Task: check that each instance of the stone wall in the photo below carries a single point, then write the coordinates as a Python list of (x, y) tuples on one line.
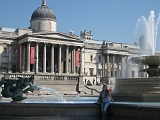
[(76, 111)]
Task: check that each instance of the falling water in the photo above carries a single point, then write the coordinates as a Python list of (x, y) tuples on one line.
[(38, 93), (148, 28), (55, 93)]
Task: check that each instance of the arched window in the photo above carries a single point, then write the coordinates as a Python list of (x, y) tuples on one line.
[(49, 26)]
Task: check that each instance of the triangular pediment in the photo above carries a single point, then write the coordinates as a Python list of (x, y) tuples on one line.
[(57, 35), (51, 37)]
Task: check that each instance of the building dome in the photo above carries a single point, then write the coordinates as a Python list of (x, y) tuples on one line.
[(43, 19), (142, 42), (43, 12)]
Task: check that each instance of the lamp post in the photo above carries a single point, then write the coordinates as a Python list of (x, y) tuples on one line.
[(79, 67), (79, 74), (35, 62)]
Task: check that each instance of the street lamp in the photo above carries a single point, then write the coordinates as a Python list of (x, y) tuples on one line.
[(79, 67), (79, 74), (35, 62)]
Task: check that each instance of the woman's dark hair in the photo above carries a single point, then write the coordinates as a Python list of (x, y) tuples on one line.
[(107, 91), (105, 85)]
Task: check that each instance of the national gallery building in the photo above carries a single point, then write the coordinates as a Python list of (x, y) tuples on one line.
[(41, 49)]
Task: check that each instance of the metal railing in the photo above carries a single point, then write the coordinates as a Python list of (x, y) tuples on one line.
[(92, 89)]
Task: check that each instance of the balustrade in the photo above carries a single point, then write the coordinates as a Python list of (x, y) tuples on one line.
[(41, 77)]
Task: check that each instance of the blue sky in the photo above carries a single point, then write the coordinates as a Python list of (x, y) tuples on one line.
[(112, 20)]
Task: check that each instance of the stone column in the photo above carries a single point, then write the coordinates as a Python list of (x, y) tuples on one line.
[(59, 60), (66, 60), (81, 67), (108, 69), (44, 58), (37, 59), (118, 66), (28, 57), (9, 59), (113, 62), (122, 66), (24, 59), (74, 59), (52, 59), (127, 73), (103, 65), (20, 57)]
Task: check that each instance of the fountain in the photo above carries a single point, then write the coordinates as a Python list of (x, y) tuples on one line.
[(143, 89)]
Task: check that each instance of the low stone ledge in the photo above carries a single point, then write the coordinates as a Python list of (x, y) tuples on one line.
[(133, 112), (56, 110), (77, 111), (136, 97)]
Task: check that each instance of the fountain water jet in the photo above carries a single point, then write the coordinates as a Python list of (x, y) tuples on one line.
[(148, 28), (55, 93)]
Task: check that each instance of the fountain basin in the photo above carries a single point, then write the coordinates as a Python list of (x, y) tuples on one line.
[(137, 90), (152, 62), (85, 111), (50, 111), (147, 60)]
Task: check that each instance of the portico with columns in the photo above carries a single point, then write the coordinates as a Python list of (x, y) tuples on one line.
[(56, 55), (115, 61)]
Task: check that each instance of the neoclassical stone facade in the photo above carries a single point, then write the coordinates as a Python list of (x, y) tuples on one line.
[(56, 52)]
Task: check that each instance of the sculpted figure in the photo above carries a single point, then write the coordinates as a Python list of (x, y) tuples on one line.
[(15, 89)]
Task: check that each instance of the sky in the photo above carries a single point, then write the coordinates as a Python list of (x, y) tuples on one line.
[(111, 20)]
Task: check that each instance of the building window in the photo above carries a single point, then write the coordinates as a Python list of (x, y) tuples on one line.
[(49, 26), (91, 57), (99, 72), (99, 58), (91, 72)]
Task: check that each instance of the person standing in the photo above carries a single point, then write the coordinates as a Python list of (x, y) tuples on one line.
[(93, 81), (106, 97), (110, 89)]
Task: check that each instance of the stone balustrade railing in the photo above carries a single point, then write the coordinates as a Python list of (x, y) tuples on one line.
[(41, 77)]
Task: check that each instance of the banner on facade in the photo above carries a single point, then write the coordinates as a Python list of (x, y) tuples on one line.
[(32, 55), (77, 58)]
